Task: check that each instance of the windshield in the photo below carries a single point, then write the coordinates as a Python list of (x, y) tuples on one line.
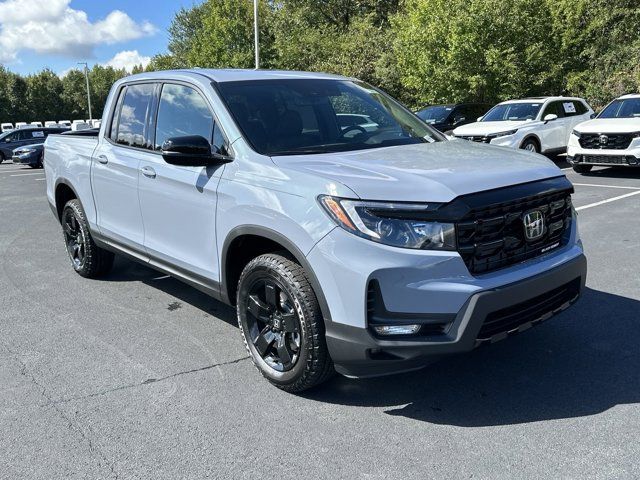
[(513, 112), (300, 116), (627, 108), (435, 114)]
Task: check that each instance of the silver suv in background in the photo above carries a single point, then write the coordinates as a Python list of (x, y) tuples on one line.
[(349, 234)]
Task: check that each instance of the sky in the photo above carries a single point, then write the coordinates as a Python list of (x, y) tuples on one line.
[(57, 34)]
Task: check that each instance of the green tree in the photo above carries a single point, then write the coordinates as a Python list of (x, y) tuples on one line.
[(16, 95), (74, 96), (101, 80), (219, 33), (44, 90), (454, 50), (599, 45)]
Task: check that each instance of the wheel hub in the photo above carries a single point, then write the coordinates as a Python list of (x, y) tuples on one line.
[(273, 325)]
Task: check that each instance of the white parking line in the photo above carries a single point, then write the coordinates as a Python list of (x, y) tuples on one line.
[(605, 186), (626, 195), (25, 174), (14, 170)]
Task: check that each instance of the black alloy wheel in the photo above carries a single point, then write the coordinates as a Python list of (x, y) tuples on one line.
[(273, 325), (281, 323), (87, 259), (74, 238)]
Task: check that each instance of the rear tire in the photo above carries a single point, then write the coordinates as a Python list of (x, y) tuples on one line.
[(281, 323), (87, 259), (582, 169)]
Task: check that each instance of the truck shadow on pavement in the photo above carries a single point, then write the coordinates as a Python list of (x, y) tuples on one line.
[(581, 363), (127, 271)]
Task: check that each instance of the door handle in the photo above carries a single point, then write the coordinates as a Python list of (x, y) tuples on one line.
[(103, 159), (148, 172)]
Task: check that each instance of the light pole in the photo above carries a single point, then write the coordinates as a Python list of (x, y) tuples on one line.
[(255, 33), (86, 77)]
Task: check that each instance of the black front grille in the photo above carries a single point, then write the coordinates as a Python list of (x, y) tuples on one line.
[(522, 315), (493, 237), (608, 159), (609, 141), (477, 138)]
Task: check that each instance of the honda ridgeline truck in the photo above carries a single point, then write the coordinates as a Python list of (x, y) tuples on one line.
[(366, 251)]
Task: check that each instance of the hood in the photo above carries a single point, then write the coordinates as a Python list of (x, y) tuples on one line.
[(436, 172), (610, 125), (488, 128)]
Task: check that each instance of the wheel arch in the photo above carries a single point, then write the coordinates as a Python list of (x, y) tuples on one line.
[(531, 136), (247, 242), (63, 193)]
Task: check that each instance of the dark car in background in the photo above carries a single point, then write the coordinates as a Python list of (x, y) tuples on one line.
[(447, 117), (9, 141), (31, 155)]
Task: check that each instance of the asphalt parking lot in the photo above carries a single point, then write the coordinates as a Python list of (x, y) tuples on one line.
[(140, 376)]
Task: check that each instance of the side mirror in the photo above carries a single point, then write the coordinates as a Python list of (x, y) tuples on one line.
[(479, 119), (551, 117), (191, 151)]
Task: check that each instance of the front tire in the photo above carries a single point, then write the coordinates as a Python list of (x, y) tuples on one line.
[(87, 259), (281, 323), (531, 145), (582, 169)]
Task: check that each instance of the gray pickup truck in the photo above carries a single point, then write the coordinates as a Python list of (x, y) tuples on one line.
[(366, 249)]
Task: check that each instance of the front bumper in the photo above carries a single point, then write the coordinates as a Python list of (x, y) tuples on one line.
[(26, 159), (629, 157), (358, 352)]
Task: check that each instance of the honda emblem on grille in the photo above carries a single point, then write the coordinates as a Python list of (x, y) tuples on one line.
[(604, 139), (533, 225)]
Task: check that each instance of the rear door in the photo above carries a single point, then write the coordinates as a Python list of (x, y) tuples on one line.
[(179, 203), (116, 163)]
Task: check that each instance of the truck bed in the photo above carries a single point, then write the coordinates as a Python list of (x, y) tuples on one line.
[(67, 160)]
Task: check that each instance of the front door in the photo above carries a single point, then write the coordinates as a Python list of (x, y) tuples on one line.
[(179, 203), (552, 134)]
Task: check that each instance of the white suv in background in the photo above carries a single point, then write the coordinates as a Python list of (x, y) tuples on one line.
[(611, 139), (539, 124)]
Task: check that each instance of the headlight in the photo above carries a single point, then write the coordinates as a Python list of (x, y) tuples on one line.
[(22, 151), (391, 223), (503, 134), (576, 133)]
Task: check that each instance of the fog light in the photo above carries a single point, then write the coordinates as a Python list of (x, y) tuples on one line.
[(632, 160), (396, 329)]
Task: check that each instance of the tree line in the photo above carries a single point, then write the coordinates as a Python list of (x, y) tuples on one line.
[(46, 96), (421, 51)]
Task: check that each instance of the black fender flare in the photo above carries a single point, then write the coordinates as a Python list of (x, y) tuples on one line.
[(279, 238)]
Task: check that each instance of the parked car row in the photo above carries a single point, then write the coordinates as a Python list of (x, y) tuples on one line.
[(549, 125), (91, 123), (16, 139)]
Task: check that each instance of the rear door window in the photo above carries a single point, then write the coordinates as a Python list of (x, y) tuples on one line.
[(133, 117)]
